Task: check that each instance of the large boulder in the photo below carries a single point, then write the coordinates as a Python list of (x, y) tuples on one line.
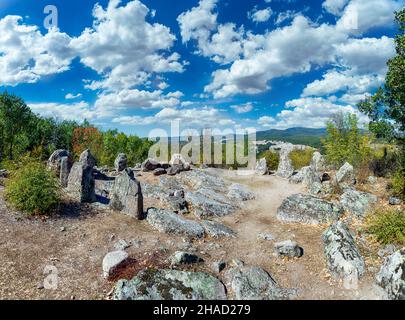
[(152, 284), (169, 222), (308, 209), (345, 175), (121, 162), (285, 167), (60, 163), (240, 192), (261, 167), (198, 179), (342, 254), (391, 277), (317, 162), (87, 159), (81, 183), (207, 206), (253, 283), (126, 195), (150, 165), (357, 202)]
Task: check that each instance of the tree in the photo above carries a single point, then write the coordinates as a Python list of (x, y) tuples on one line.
[(88, 138), (344, 141), (386, 109), (14, 119)]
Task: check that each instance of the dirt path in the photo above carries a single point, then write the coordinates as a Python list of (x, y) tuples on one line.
[(75, 243)]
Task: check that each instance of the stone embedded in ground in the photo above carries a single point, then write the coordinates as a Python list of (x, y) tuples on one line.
[(208, 207), (218, 266), (87, 159), (169, 222), (121, 162), (394, 201), (170, 285), (199, 179), (261, 167), (308, 209), (342, 254), (253, 283), (285, 167), (150, 165), (60, 163), (391, 277), (265, 236), (112, 261), (372, 180), (175, 169), (345, 175), (81, 183), (217, 230), (181, 257), (121, 245), (177, 159), (288, 249), (240, 192), (357, 202), (65, 167), (159, 172), (126, 195)]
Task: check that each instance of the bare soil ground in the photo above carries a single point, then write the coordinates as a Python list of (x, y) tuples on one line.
[(76, 241)]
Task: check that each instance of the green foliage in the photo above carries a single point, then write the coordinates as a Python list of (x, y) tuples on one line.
[(345, 142), (387, 226), (272, 159), (32, 189), (301, 158), (384, 160), (398, 184)]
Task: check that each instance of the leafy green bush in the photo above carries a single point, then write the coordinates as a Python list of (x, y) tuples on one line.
[(398, 184), (33, 189), (301, 158), (272, 159), (387, 226)]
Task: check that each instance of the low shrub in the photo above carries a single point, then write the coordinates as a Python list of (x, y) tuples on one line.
[(387, 226), (301, 158), (33, 189), (398, 184), (384, 161), (272, 159)]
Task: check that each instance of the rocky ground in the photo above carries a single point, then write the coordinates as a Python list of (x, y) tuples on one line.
[(73, 244)]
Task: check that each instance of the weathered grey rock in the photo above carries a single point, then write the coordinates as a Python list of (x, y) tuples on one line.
[(60, 163), (265, 236), (391, 277), (170, 183), (357, 202), (181, 257), (170, 285), (394, 201), (240, 192), (217, 230), (150, 165), (177, 204), (177, 159), (169, 222), (342, 255), (345, 175), (253, 283), (308, 209), (285, 167), (372, 180), (388, 250), (207, 207), (121, 162), (3, 173), (121, 245), (317, 162), (261, 167), (126, 195), (55, 158), (198, 179), (175, 169), (218, 266), (289, 249), (65, 167), (112, 261), (87, 159), (159, 172), (81, 183)]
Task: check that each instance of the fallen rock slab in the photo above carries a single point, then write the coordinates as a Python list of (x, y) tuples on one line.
[(170, 285), (308, 209), (357, 202), (342, 254), (240, 192), (169, 222), (217, 230), (391, 277)]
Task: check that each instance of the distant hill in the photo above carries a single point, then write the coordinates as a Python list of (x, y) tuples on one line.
[(307, 136)]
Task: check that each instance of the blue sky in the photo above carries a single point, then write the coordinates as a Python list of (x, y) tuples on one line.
[(137, 65)]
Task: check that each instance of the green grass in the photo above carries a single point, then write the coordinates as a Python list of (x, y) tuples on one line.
[(387, 226)]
